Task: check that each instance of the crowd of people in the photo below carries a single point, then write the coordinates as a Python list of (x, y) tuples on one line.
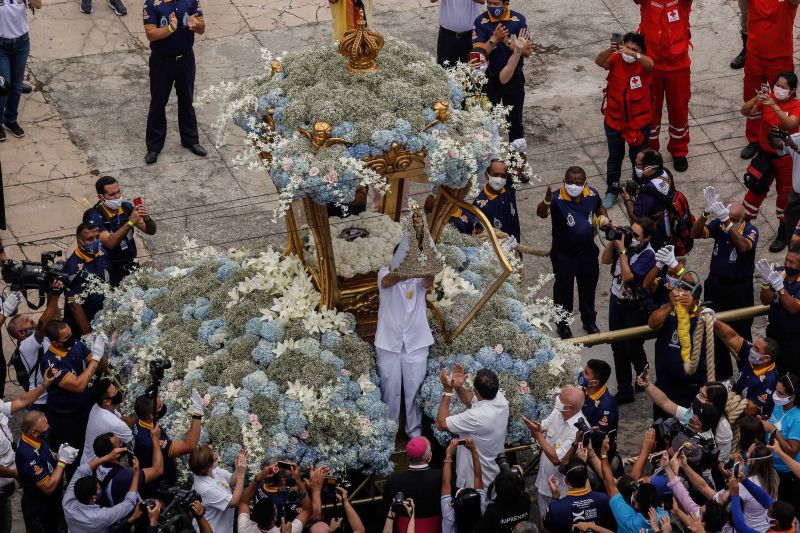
[(723, 453)]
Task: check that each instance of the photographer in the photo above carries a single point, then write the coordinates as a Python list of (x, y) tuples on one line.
[(116, 220), (68, 400), (408, 510), (781, 292), (104, 417), (581, 504), (81, 509), (265, 514), (632, 258), (784, 426), (171, 450), (115, 479), (32, 343), (198, 513), (510, 502), (88, 266), (461, 513), (420, 483), (654, 198), (350, 513), (213, 485)]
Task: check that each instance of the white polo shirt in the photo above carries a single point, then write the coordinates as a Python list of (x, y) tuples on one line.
[(6, 439), (29, 352), (216, 493), (103, 421), (486, 423), (560, 434), (458, 15), (13, 19), (402, 321)]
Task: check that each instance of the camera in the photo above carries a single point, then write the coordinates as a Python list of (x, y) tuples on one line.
[(329, 484), (502, 462), (630, 187), (157, 368), (615, 233), (701, 452), (398, 504), (24, 275), (177, 515)]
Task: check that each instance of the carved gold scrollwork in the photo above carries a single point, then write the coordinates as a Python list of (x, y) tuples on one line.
[(442, 110), (395, 159)]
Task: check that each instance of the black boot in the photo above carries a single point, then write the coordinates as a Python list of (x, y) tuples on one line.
[(738, 61), (780, 240)]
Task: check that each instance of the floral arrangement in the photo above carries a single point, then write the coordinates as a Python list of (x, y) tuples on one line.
[(277, 375), (508, 336), (364, 254), (367, 114)]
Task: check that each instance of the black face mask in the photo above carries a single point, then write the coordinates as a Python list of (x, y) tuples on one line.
[(116, 399), (67, 344), (161, 412), (791, 271)]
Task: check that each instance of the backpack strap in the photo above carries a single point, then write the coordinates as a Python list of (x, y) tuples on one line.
[(105, 486)]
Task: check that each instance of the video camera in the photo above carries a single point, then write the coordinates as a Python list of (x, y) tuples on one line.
[(24, 275), (631, 187), (701, 452), (177, 516)]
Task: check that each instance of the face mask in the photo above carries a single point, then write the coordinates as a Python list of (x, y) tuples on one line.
[(628, 58), (791, 271), (779, 400), (754, 357), (161, 412), (660, 185), (686, 417), (639, 172), (559, 406), (91, 248), (44, 435), (635, 242), (30, 331), (573, 190), (113, 204), (497, 12), (68, 344), (781, 93), (117, 399), (582, 381), (496, 182)]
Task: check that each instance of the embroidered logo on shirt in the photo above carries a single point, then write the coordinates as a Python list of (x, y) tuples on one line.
[(673, 16), (409, 295), (636, 82), (570, 220)]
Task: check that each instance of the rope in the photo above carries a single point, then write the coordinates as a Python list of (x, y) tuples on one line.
[(690, 351)]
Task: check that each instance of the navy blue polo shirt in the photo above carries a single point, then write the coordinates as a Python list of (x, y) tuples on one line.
[(83, 266), (156, 15), (67, 365), (579, 505), (143, 450), (600, 410), (119, 485), (500, 208), (669, 364), (573, 220), (35, 463), (483, 30), (652, 204), (103, 218), (755, 385), (462, 220), (727, 262), (780, 320)]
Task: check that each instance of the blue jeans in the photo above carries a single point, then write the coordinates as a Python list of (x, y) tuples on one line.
[(13, 58), (616, 153)]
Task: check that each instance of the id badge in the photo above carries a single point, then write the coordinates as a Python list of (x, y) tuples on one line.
[(123, 244)]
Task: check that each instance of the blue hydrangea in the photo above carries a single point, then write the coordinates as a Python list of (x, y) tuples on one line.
[(226, 269), (330, 358), (241, 415), (194, 375), (151, 293), (263, 353), (259, 384), (520, 370), (269, 330), (242, 403), (472, 254), (147, 316), (382, 139), (295, 424), (221, 409), (331, 340), (209, 328), (472, 277), (228, 455), (308, 346)]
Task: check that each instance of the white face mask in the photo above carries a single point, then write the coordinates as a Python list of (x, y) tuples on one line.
[(628, 58), (113, 204), (780, 400), (559, 406), (635, 242), (496, 182), (639, 172), (660, 185), (754, 357), (781, 93), (573, 190)]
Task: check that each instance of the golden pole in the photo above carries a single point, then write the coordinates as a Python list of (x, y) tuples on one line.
[(646, 332)]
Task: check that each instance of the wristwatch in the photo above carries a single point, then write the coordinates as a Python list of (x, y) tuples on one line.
[(638, 55), (446, 394)]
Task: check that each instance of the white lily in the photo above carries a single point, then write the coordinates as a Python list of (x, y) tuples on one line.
[(366, 384), (283, 347), (232, 392)]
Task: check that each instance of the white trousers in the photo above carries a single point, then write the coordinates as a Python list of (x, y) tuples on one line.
[(403, 372)]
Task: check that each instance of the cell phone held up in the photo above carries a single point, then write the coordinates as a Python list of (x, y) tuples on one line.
[(474, 57), (616, 38), (137, 201)]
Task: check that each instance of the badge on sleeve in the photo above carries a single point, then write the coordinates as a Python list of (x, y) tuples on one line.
[(673, 16), (163, 22), (636, 82), (570, 220), (144, 13)]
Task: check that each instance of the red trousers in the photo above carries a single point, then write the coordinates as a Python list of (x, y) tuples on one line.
[(782, 176), (676, 86), (756, 72)]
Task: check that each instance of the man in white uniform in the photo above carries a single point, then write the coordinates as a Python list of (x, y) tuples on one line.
[(105, 418), (401, 344)]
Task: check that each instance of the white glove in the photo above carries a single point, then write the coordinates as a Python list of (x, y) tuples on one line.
[(197, 403), (720, 211), (99, 347), (520, 145), (11, 303), (710, 196), (67, 454), (666, 256), (776, 281), (710, 313), (764, 269)]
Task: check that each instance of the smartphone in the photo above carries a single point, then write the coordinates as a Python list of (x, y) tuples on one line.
[(736, 470), (765, 88), (284, 465), (771, 438), (462, 442), (586, 438), (474, 56), (667, 501), (644, 370), (617, 38), (137, 201)]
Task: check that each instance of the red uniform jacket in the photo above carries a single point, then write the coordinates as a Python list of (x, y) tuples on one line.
[(666, 29), (627, 103), (770, 24)]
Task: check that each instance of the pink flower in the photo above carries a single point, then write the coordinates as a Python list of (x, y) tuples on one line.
[(304, 435), (523, 388), (452, 152), (332, 176), (206, 399), (498, 349), (253, 418), (287, 164), (294, 440), (257, 425), (435, 133), (313, 171), (440, 359), (345, 372)]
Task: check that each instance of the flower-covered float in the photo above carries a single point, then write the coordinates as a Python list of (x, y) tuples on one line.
[(278, 343)]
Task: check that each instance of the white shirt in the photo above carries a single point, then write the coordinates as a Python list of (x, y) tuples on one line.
[(216, 493), (13, 19), (6, 439), (560, 434), (402, 321), (486, 423), (458, 15), (246, 525), (795, 162), (723, 435), (755, 516), (103, 421), (29, 352)]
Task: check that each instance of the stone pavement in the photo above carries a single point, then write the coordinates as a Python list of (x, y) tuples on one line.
[(87, 115)]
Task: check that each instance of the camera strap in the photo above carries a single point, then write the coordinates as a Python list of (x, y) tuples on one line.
[(105, 486)]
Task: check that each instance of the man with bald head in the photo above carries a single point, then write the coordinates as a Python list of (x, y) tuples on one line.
[(554, 435), (729, 284)]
